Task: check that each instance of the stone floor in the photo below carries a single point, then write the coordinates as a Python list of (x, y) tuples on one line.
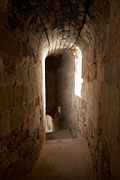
[(59, 134), (63, 159)]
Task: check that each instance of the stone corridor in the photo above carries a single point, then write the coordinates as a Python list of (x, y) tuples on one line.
[(63, 159), (60, 58)]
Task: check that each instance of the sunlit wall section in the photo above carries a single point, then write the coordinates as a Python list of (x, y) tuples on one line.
[(78, 72), (49, 124)]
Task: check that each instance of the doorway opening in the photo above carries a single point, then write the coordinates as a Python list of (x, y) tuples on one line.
[(53, 96), (63, 88)]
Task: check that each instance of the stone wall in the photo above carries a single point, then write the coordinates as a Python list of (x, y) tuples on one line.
[(21, 109), (99, 117), (31, 31)]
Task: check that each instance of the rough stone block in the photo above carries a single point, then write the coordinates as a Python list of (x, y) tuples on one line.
[(17, 119), (1, 71), (24, 118), (38, 74), (9, 78), (10, 43), (22, 73), (116, 73), (9, 94), (108, 69), (6, 98), (31, 73), (5, 124), (24, 93), (30, 92), (18, 95), (25, 74), (31, 109), (31, 131), (19, 74)]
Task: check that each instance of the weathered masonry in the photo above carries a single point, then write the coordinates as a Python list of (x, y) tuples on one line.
[(39, 42)]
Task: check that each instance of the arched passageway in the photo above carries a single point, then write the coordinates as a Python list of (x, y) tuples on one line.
[(34, 30), (60, 89)]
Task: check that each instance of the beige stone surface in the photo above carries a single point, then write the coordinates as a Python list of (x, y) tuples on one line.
[(63, 159), (29, 32)]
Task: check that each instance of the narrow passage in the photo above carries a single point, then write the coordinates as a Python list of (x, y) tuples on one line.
[(63, 159)]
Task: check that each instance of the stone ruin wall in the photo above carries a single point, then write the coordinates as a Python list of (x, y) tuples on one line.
[(21, 91)]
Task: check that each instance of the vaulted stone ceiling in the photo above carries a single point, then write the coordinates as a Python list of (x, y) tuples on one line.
[(60, 22)]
